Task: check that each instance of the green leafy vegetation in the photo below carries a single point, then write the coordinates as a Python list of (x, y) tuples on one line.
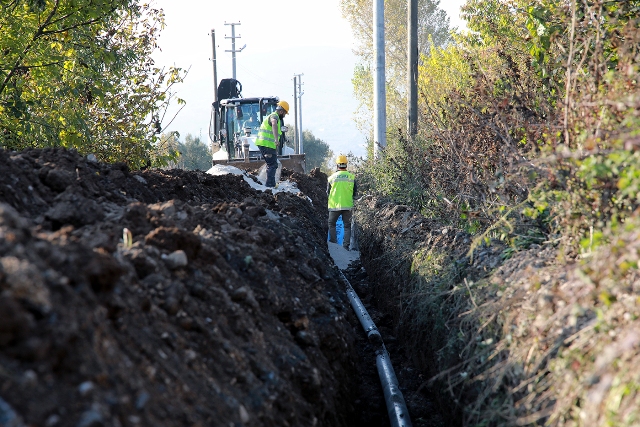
[(317, 151), (192, 154), (528, 144), (78, 74), (433, 30)]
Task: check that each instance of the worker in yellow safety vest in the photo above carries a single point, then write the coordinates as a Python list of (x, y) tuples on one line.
[(341, 187), (268, 138)]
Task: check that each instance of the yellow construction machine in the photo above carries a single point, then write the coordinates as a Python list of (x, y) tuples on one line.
[(234, 126)]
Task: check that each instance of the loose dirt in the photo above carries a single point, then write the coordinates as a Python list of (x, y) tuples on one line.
[(223, 309), (178, 298)]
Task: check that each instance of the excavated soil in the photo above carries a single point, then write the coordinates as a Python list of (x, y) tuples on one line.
[(224, 309), (178, 298)]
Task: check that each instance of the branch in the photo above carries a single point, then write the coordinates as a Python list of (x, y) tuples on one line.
[(78, 25), (508, 141), (567, 97), (42, 65), (28, 47)]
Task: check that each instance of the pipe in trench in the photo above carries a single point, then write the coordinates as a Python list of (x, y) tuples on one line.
[(396, 406), (373, 335)]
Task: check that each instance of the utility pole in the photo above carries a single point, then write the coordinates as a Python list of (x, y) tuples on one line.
[(296, 148), (412, 68), (299, 103), (233, 46), (215, 68), (379, 90)]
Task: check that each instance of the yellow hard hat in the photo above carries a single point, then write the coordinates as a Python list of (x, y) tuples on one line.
[(284, 105), (341, 160)]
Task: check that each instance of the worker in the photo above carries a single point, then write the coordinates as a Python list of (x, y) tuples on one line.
[(268, 137), (341, 187), (252, 122)]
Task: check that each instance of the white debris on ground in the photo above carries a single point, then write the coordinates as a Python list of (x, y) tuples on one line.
[(283, 186), (342, 257)]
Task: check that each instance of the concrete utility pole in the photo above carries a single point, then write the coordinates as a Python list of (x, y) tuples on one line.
[(215, 68), (296, 148), (379, 90), (299, 123), (233, 45), (412, 68)]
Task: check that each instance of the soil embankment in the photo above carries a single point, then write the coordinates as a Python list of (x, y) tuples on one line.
[(505, 335), (223, 308)]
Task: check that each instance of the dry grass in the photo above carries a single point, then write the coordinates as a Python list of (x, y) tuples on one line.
[(533, 342), (565, 346), (540, 176)]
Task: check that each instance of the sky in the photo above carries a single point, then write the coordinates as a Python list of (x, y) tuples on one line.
[(282, 39)]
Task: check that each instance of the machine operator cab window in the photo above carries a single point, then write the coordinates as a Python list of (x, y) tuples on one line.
[(252, 123), (268, 107), (239, 118), (247, 116)]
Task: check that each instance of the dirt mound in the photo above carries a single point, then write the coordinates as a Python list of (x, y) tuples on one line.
[(166, 298)]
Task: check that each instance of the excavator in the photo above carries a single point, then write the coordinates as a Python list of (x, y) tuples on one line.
[(234, 126)]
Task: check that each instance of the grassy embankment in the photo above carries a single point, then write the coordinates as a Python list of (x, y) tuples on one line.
[(513, 261)]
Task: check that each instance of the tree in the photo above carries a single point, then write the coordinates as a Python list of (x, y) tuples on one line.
[(316, 151), (194, 154), (433, 30), (78, 74), (167, 147)]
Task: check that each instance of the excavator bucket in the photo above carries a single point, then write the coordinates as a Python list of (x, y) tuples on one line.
[(294, 162)]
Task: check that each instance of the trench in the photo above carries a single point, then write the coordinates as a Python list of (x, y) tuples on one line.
[(425, 408)]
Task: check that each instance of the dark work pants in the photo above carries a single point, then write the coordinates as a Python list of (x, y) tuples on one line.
[(271, 159), (346, 220)]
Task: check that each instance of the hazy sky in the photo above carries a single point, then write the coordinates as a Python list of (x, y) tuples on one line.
[(282, 39)]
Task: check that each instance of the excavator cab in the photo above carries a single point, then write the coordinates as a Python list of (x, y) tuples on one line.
[(240, 121)]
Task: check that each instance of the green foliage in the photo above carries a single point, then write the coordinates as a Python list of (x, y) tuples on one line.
[(194, 154), (316, 151), (529, 135), (78, 74), (433, 30), (589, 193), (501, 111), (404, 177), (167, 150)]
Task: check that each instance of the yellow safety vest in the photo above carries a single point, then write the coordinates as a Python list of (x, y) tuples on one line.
[(265, 134), (341, 193)]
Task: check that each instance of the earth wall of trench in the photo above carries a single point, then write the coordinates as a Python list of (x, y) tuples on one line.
[(416, 266)]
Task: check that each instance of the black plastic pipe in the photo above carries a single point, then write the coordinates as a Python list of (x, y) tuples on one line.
[(396, 406), (373, 335)]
